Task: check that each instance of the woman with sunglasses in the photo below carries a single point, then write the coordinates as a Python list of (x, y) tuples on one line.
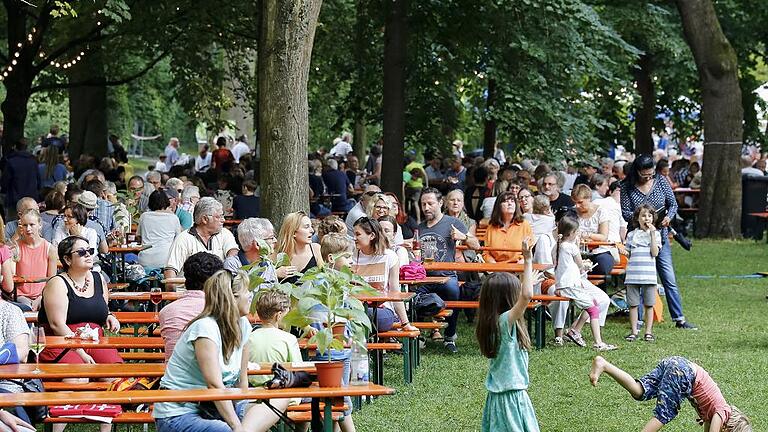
[(379, 265), (75, 298), (213, 353), (35, 259)]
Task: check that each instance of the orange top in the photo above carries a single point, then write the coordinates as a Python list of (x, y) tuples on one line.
[(32, 264), (510, 237)]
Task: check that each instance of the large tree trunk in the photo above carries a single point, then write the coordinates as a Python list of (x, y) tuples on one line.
[(88, 130), (18, 83), (359, 138), (490, 126), (722, 115), (285, 49), (395, 35), (646, 111)]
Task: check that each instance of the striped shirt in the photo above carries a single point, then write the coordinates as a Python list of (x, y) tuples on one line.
[(641, 268), (660, 195)]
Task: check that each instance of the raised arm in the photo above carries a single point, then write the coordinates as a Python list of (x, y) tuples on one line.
[(526, 285)]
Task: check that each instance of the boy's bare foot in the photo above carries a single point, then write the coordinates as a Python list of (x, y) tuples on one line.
[(598, 366)]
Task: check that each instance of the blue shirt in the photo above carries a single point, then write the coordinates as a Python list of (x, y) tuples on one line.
[(105, 212), (59, 174), (337, 183)]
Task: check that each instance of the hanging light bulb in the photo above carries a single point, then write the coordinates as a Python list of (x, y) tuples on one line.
[(13, 62)]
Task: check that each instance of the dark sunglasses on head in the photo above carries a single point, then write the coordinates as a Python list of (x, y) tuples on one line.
[(83, 252)]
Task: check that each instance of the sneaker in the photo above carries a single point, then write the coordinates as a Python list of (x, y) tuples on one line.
[(575, 337), (451, 347), (604, 347), (559, 341), (685, 325)]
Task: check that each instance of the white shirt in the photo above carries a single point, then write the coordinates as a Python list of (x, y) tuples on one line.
[(239, 150), (186, 244), (342, 148), (158, 229), (202, 164), (567, 273), (375, 269), (613, 211), (752, 171), (161, 167), (88, 233)]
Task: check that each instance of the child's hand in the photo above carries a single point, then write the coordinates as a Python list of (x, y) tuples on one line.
[(528, 244), (651, 228)]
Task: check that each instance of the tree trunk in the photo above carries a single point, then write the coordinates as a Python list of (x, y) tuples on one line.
[(395, 35), (489, 131), (285, 50), (646, 111), (360, 141), (88, 130), (722, 115), (18, 83)]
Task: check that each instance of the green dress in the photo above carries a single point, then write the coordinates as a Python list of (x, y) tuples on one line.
[(508, 407)]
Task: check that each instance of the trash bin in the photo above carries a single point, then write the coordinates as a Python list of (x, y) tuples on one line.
[(754, 198)]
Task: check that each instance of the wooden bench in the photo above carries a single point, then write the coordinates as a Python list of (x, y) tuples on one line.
[(327, 395)]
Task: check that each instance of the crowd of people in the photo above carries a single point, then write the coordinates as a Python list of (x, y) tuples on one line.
[(68, 213)]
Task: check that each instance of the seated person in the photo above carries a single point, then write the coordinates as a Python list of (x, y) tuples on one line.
[(157, 227), (175, 316), (246, 205), (36, 259), (14, 329), (213, 353), (507, 229)]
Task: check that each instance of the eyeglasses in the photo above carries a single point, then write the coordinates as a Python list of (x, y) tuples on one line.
[(83, 252), (381, 207), (522, 197)]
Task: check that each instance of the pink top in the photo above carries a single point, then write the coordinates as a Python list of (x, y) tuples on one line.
[(707, 398), (175, 316), (33, 264), (5, 253)]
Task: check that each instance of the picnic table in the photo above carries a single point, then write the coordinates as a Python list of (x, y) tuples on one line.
[(481, 267), (232, 222), (17, 280), (58, 371), (683, 191), (327, 394)]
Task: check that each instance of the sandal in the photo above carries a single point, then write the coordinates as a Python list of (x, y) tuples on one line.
[(436, 336), (575, 337), (630, 337), (604, 347), (649, 337)]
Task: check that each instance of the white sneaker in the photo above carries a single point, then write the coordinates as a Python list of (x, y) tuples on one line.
[(559, 341)]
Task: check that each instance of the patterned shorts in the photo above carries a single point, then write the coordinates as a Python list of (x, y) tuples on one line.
[(669, 383)]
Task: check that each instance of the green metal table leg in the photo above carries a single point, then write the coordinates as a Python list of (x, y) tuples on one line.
[(328, 415)]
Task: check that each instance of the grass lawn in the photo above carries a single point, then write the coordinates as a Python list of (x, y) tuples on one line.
[(448, 392)]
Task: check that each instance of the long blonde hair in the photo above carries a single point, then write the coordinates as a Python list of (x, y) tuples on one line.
[(221, 305), (285, 241)]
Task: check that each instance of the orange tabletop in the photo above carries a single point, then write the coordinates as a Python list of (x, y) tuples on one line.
[(155, 396), (230, 222), (594, 244), (425, 281), (148, 317), (59, 342), (144, 296), (399, 296), (489, 249), (686, 190), (760, 215), (22, 279), (173, 281), (56, 371), (128, 249), (481, 267)]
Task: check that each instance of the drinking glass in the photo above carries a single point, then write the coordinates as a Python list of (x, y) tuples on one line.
[(156, 296), (37, 345)]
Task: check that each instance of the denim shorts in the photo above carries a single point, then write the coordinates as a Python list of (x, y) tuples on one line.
[(669, 383), (193, 422)]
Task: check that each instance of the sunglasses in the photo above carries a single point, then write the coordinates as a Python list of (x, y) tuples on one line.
[(83, 252)]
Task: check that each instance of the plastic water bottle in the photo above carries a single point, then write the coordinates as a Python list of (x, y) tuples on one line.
[(360, 366)]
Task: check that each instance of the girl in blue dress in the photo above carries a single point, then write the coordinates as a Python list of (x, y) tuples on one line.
[(503, 338)]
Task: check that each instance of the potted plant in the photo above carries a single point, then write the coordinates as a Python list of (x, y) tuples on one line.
[(325, 296)]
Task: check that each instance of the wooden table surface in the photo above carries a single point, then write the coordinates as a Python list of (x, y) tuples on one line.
[(400, 296), (143, 342), (481, 267), (425, 281), (682, 190), (144, 296), (57, 371), (155, 396), (760, 215), (128, 249)]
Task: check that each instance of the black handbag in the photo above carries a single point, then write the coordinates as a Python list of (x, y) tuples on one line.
[(427, 305), (286, 379)]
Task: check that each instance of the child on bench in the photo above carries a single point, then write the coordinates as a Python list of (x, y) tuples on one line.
[(675, 379)]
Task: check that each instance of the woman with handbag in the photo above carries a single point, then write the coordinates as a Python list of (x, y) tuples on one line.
[(213, 353), (644, 186)]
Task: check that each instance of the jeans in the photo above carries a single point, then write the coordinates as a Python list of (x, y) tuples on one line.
[(193, 422), (604, 263), (666, 273), (448, 292)]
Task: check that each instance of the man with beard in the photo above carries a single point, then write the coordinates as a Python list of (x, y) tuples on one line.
[(438, 236)]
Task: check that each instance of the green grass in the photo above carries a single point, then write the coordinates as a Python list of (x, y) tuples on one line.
[(448, 392)]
